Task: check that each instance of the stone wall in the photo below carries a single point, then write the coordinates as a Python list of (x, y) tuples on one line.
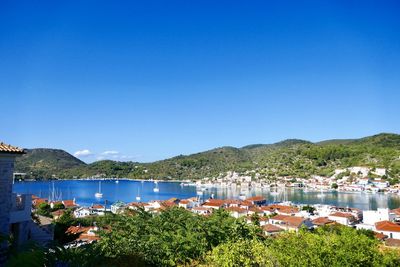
[(6, 174)]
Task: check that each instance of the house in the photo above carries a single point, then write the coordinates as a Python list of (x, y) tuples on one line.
[(322, 221), (257, 200), (342, 218), (214, 204), (139, 205), (118, 207), (291, 222), (236, 211), (82, 212), (270, 229), (262, 220), (97, 209), (84, 235), (15, 210), (70, 204), (371, 217), (57, 214), (202, 210), (391, 229), (279, 209), (186, 204), (36, 201)]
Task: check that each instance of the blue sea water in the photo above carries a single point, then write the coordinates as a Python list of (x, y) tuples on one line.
[(127, 190)]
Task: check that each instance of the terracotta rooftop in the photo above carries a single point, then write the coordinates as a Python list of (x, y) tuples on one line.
[(396, 211), (69, 203), (322, 221), (10, 149), (272, 228), (342, 214), (292, 221), (236, 209), (387, 226), (256, 198), (380, 236), (280, 208)]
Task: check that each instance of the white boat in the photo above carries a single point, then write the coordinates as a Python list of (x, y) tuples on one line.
[(117, 181), (156, 189), (138, 196), (99, 194)]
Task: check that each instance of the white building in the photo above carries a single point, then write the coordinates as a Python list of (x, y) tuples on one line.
[(390, 229), (342, 218), (82, 212), (118, 207), (371, 217)]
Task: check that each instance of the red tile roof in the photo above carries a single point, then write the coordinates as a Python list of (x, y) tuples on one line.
[(387, 226), (69, 203), (280, 209), (213, 204), (98, 206), (272, 228), (292, 221), (236, 209), (342, 214), (396, 211), (256, 198), (10, 149), (322, 221)]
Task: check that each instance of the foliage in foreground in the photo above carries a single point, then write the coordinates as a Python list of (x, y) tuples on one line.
[(177, 237)]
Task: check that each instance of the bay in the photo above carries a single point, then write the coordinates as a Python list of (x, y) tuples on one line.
[(127, 190)]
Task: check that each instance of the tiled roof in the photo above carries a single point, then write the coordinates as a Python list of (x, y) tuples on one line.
[(280, 208), (322, 221), (380, 236), (292, 221), (279, 217), (69, 203), (236, 209), (342, 214), (256, 198), (396, 211), (272, 228), (387, 226), (10, 149)]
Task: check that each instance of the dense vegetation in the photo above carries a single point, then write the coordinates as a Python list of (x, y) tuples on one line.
[(288, 158), (177, 237)]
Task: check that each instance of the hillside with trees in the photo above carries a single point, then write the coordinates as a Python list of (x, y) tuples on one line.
[(292, 157)]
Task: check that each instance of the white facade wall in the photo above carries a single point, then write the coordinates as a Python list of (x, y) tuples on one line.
[(373, 216)]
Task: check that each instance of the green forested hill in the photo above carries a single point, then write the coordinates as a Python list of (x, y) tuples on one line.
[(287, 158), (46, 162)]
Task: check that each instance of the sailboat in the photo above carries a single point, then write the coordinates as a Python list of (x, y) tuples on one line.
[(99, 194), (156, 189), (138, 196)]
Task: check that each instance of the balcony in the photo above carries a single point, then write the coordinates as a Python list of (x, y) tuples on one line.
[(21, 208)]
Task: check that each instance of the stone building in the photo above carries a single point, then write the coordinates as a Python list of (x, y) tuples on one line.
[(7, 158), (15, 209)]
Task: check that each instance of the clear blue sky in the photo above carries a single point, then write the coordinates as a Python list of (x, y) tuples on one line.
[(163, 78)]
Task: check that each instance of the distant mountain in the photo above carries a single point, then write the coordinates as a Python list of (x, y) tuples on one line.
[(45, 160), (292, 157)]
